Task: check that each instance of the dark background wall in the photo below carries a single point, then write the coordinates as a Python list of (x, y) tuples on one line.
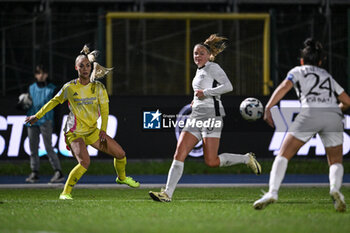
[(53, 32)]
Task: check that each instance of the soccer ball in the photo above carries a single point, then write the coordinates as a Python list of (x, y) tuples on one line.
[(25, 101), (251, 109)]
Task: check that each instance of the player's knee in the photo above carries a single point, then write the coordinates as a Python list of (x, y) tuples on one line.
[(120, 154), (179, 156), (85, 163), (334, 161), (211, 163)]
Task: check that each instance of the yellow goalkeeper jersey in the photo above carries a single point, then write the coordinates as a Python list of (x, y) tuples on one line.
[(86, 104)]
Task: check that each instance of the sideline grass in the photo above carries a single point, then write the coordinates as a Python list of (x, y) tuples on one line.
[(192, 210), (160, 167)]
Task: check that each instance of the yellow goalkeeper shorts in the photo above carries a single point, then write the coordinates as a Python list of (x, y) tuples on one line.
[(88, 138)]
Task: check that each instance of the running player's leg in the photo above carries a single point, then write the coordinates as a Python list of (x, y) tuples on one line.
[(335, 162), (186, 143), (79, 150), (211, 140), (336, 172), (229, 159), (212, 159), (332, 139), (210, 151), (290, 147), (111, 147)]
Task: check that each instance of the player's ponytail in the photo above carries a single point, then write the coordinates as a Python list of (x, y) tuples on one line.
[(98, 71), (312, 53), (214, 44)]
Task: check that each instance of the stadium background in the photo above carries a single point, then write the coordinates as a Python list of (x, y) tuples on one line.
[(150, 60)]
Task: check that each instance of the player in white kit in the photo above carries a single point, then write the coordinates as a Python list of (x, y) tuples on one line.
[(206, 120), (320, 113)]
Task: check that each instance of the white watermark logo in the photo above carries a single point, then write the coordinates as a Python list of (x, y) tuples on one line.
[(191, 123), (157, 120)]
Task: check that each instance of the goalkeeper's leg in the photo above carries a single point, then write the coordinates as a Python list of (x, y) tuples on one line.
[(111, 147), (74, 176), (79, 150)]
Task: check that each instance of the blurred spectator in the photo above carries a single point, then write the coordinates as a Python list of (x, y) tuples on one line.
[(41, 91)]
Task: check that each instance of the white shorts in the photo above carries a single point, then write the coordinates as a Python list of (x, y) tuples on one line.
[(328, 125), (210, 127)]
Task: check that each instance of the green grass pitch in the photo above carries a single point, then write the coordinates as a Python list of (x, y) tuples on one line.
[(192, 210)]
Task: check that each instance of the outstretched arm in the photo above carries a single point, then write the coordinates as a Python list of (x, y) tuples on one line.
[(46, 108), (276, 96)]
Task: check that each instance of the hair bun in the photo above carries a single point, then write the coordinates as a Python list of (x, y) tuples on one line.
[(310, 43), (318, 46), (312, 53), (313, 44)]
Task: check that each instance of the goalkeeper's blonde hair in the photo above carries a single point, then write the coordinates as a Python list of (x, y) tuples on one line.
[(98, 71), (214, 44)]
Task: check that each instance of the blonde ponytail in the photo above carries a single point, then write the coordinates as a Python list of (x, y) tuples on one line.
[(98, 71), (215, 45)]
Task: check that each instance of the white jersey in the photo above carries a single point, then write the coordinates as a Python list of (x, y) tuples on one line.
[(315, 87), (214, 82), (320, 113)]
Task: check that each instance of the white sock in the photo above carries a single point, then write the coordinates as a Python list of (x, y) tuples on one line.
[(175, 173), (277, 173), (227, 159), (336, 172)]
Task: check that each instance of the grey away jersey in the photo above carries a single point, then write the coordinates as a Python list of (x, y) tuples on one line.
[(315, 87), (214, 82)]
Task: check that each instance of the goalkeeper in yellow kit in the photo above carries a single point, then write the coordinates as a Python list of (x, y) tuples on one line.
[(87, 101)]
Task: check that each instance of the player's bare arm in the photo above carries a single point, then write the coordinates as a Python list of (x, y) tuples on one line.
[(344, 101), (277, 95)]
